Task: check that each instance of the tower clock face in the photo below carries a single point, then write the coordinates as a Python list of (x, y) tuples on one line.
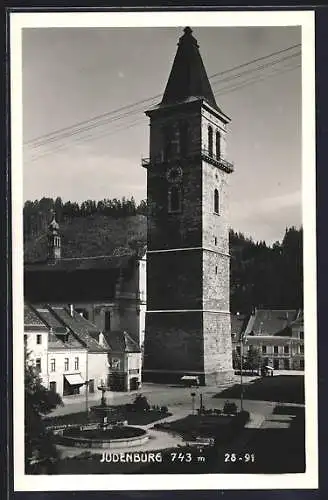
[(174, 174)]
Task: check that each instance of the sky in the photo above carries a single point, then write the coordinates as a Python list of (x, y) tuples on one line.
[(75, 74)]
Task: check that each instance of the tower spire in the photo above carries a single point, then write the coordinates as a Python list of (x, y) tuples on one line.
[(188, 77)]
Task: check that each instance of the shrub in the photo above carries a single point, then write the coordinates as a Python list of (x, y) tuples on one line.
[(164, 409), (141, 403), (230, 408)]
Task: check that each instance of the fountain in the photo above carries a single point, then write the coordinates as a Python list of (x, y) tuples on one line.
[(110, 431)]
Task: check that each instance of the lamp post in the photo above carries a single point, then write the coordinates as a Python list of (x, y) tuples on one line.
[(242, 340), (193, 394), (86, 383)]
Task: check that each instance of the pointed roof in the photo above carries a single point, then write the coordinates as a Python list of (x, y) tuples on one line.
[(53, 226), (188, 76)]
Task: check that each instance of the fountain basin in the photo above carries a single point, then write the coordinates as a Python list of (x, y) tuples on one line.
[(112, 438)]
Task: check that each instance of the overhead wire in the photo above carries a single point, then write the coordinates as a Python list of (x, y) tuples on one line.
[(220, 91), (223, 91), (105, 116), (129, 113)]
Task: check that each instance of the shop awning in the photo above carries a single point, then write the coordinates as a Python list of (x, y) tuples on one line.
[(75, 379)]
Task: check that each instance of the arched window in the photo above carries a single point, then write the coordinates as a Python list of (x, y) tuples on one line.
[(174, 201), (210, 141), (218, 145), (216, 201), (184, 133), (167, 141)]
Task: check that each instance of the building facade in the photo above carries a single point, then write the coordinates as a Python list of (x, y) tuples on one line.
[(276, 335), (109, 290), (72, 356), (188, 311)]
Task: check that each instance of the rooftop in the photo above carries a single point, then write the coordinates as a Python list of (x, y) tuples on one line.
[(188, 78)]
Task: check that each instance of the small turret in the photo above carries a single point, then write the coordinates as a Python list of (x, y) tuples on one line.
[(54, 240)]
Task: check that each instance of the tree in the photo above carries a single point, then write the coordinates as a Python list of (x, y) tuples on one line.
[(140, 403), (41, 454), (253, 358), (235, 360)]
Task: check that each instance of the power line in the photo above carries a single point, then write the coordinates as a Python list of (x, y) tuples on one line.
[(109, 120), (128, 106), (223, 91)]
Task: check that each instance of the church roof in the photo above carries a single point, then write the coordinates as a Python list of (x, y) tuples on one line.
[(188, 78), (99, 262)]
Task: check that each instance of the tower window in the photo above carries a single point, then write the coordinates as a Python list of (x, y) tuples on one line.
[(174, 199), (216, 269), (210, 141), (216, 201), (218, 144), (107, 321), (184, 132), (215, 241), (167, 139)]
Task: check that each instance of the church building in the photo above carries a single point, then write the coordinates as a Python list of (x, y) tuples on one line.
[(188, 329)]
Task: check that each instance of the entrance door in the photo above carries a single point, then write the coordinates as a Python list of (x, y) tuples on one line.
[(91, 386), (70, 390), (53, 386), (134, 384), (286, 364), (276, 364)]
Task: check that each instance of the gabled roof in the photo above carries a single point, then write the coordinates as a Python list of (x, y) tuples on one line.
[(188, 78), (50, 320), (32, 320), (83, 329), (59, 336), (271, 322), (119, 341)]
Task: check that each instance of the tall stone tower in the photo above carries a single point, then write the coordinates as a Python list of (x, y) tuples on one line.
[(188, 319), (54, 241)]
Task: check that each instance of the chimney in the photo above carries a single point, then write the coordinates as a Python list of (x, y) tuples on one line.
[(71, 310)]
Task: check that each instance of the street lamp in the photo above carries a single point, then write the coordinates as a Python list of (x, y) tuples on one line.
[(242, 340), (86, 383), (193, 394)]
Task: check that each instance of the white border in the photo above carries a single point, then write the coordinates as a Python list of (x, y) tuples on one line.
[(308, 480)]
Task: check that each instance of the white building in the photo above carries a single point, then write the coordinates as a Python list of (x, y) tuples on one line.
[(69, 352)]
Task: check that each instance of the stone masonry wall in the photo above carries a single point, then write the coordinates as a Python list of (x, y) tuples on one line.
[(174, 280), (217, 345), (174, 342)]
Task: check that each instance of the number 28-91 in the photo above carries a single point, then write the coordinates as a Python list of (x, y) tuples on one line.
[(245, 458)]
